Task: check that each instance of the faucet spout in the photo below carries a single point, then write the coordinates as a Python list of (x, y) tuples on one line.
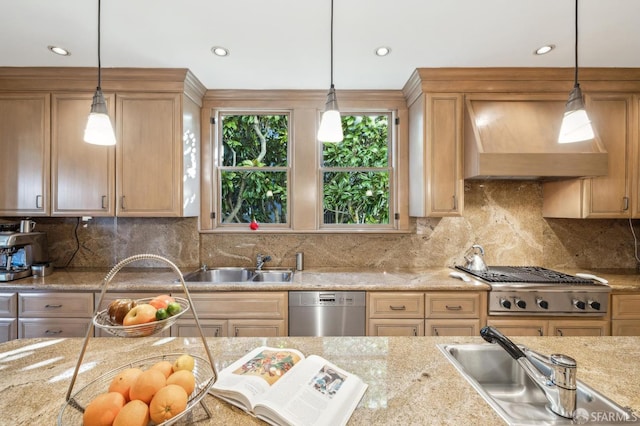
[(261, 260), (555, 375)]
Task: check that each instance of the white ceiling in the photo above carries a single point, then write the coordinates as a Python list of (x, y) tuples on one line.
[(284, 44)]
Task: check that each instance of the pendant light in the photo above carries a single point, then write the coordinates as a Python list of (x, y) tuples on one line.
[(331, 123), (576, 126), (99, 130)]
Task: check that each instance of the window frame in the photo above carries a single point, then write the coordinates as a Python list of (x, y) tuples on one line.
[(220, 168), (391, 168), (305, 108)]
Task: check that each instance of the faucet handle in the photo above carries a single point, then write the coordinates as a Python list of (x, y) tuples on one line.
[(564, 369)]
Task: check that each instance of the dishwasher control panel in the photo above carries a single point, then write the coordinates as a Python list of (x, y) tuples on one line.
[(326, 298)]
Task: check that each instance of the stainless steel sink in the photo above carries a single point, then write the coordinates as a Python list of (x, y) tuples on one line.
[(500, 380), (273, 276), (237, 275)]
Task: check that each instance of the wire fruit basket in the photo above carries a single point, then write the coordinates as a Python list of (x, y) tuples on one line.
[(71, 414), (102, 321), (204, 370)]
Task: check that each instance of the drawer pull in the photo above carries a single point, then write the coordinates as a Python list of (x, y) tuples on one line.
[(453, 308), (398, 308), (52, 332), (435, 332), (559, 332), (52, 306)]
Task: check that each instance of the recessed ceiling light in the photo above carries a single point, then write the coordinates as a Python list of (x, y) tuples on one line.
[(220, 51), (382, 51), (59, 50), (544, 49)]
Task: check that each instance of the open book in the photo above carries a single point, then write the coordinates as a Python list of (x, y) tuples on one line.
[(282, 387)]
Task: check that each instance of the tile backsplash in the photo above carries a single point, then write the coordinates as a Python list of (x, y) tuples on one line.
[(505, 217)]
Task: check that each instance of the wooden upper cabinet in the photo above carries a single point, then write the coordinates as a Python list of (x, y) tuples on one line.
[(148, 157), (435, 155), (605, 196), (24, 162), (82, 175)]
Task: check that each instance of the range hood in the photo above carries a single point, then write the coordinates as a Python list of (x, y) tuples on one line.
[(517, 138)]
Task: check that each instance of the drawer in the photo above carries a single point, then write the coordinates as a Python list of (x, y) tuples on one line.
[(625, 328), (395, 305), (396, 327), (45, 327), (452, 327), (8, 305), (55, 305), (249, 305), (625, 306), (452, 305), (8, 329)]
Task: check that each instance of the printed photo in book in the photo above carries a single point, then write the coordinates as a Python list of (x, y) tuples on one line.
[(283, 387)]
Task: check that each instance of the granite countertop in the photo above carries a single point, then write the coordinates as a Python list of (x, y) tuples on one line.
[(146, 279), (410, 381)]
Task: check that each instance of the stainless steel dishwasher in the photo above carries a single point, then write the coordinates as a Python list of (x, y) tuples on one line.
[(327, 313)]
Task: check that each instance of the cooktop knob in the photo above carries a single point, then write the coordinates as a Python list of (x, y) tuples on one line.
[(579, 304), (521, 303), (542, 303), (505, 303), (594, 305)]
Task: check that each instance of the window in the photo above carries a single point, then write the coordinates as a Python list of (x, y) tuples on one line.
[(357, 174), (261, 161), (253, 172)]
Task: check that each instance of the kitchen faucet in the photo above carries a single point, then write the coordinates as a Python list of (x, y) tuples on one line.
[(556, 376), (261, 260)]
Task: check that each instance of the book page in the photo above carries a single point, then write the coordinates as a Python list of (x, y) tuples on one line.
[(247, 379), (316, 393)]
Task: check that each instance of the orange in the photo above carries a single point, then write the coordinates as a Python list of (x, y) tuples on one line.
[(183, 378), (135, 413), (103, 409), (147, 384), (165, 366), (170, 401), (123, 381)]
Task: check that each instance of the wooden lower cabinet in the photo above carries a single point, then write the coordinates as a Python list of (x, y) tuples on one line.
[(452, 327), (236, 314), (54, 314), (550, 327), (8, 316), (440, 313), (625, 314), (396, 327)]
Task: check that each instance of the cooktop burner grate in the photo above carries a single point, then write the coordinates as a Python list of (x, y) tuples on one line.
[(525, 274)]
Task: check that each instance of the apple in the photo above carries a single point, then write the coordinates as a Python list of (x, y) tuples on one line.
[(140, 314)]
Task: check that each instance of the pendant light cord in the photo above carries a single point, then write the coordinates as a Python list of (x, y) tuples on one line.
[(331, 43), (99, 63), (576, 47)]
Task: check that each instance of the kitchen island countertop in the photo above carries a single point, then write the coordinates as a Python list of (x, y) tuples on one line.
[(410, 381), (151, 279)]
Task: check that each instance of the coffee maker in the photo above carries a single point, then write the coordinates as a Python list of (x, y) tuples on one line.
[(19, 251)]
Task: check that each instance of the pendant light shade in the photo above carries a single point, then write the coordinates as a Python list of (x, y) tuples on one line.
[(576, 126), (99, 130), (331, 123)]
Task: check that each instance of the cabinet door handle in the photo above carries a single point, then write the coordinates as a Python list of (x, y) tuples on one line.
[(625, 203), (52, 332), (122, 203), (38, 201), (455, 202), (415, 331), (104, 198), (540, 331), (435, 332), (398, 308), (49, 306), (236, 332), (559, 332), (453, 308)]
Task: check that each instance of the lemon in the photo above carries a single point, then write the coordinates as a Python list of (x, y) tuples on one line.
[(184, 362)]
